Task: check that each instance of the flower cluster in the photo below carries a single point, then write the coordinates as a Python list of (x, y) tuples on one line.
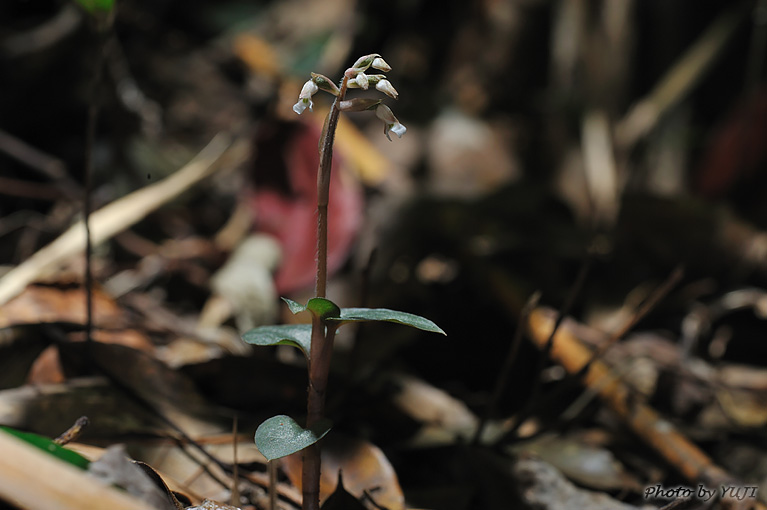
[(355, 77)]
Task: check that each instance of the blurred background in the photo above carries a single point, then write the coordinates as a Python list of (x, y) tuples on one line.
[(545, 139)]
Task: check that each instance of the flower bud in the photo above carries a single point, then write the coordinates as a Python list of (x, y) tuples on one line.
[(378, 80), (380, 64), (387, 88), (363, 63), (370, 79), (325, 83), (362, 81)]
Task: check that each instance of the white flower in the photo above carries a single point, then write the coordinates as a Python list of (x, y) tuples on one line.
[(380, 64), (387, 88), (302, 105), (308, 90), (362, 81), (305, 97), (398, 129), (391, 123)]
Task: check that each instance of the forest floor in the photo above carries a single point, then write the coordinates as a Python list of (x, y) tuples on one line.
[(579, 202)]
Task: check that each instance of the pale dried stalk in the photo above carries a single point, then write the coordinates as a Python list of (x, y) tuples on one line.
[(113, 219), (30, 478), (679, 80)]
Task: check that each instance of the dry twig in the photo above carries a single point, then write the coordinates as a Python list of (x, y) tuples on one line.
[(644, 421), (113, 218), (679, 80)]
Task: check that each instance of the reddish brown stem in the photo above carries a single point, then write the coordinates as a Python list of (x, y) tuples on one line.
[(323, 190), (319, 369), (322, 341)]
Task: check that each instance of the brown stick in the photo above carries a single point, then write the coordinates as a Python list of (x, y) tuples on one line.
[(39, 161), (678, 451)]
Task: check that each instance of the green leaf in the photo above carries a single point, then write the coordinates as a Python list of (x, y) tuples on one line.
[(295, 307), (324, 308), (297, 335), (281, 436), (49, 446), (321, 307), (386, 315), (96, 5)]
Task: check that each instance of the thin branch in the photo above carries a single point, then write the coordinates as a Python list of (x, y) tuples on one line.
[(511, 357), (90, 140), (113, 218), (235, 499), (695, 465), (647, 306), (29, 189), (39, 161), (533, 400)]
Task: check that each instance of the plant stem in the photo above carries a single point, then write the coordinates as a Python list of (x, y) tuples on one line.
[(319, 369), (272, 469), (90, 140), (322, 337), (323, 190)]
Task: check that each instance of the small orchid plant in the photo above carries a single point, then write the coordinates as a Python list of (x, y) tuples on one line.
[(281, 436)]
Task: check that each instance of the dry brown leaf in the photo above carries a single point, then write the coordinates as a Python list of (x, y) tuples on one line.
[(213, 505), (53, 304), (444, 417), (168, 391), (542, 486), (588, 465), (364, 466), (115, 468), (744, 407)]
